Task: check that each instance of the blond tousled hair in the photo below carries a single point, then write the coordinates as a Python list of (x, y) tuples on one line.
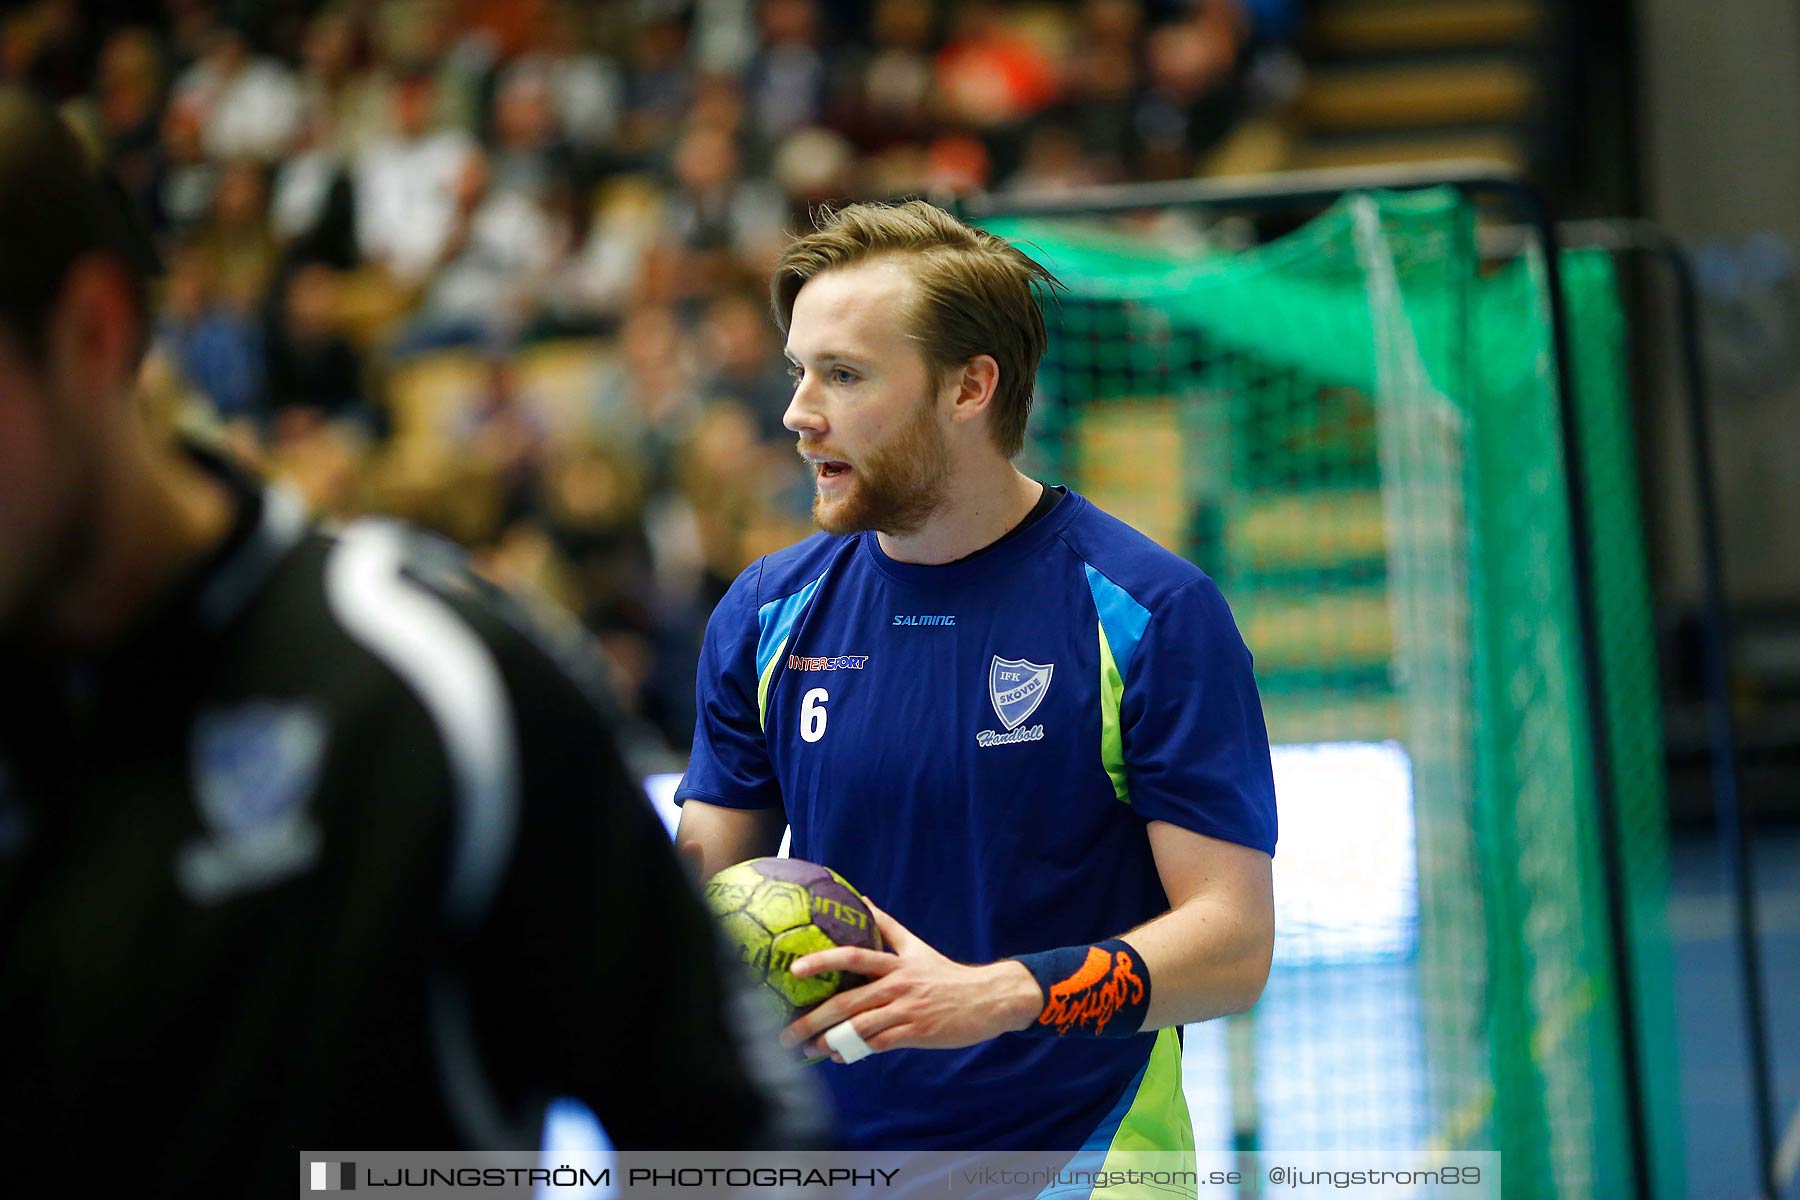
[(976, 293)]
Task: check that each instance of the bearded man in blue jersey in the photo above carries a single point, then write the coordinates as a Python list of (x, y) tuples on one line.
[(1023, 728)]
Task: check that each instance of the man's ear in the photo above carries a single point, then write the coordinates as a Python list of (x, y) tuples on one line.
[(973, 385), (91, 341)]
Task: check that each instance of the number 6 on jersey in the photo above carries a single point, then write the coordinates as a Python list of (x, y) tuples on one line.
[(812, 714)]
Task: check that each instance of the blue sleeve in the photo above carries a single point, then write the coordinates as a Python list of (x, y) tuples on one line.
[(1196, 748), (729, 764)]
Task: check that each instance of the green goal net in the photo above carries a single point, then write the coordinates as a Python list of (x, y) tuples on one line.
[(1353, 428)]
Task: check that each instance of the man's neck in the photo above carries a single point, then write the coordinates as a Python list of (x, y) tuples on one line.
[(980, 508), (158, 516)]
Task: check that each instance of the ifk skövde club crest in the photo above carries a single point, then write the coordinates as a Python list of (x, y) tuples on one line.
[(1017, 687), (256, 764)]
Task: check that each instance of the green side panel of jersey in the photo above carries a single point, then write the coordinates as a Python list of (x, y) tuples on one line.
[(1157, 1120), (1112, 742)]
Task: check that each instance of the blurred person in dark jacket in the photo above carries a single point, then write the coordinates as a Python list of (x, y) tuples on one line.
[(307, 839)]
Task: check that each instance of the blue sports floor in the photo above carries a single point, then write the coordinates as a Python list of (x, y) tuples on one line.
[(1709, 1006)]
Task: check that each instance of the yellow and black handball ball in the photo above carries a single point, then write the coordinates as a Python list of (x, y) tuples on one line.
[(775, 910)]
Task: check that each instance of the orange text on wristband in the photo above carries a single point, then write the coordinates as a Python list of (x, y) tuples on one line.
[(1101, 990)]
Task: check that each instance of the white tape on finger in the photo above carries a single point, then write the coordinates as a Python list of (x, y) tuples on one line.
[(843, 1038)]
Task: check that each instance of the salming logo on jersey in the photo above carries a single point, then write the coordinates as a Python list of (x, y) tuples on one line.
[(924, 618)]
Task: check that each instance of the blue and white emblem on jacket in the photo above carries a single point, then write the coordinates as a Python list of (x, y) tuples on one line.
[(1017, 687), (254, 767)]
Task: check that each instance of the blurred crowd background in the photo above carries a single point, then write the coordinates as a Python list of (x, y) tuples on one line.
[(500, 266)]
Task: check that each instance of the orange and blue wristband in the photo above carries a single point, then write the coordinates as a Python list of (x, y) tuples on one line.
[(1102, 990)]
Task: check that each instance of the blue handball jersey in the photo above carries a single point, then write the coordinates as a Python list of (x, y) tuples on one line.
[(978, 746)]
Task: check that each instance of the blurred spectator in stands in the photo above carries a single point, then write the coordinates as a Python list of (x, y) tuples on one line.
[(514, 223), (740, 497), (787, 83), (713, 218), (410, 37), (1105, 76), (237, 242), (718, 104), (896, 171), (314, 373), (592, 502), (587, 89), (815, 166), (725, 36), (490, 172), (958, 163), (525, 560), (740, 349), (1115, 25), (591, 508), (646, 402), (125, 111), (505, 435), (185, 177), (312, 207), (993, 79), (507, 27), (1054, 160), (530, 152), (727, 472), (189, 30), (41, 46), (454, 290), (249, 103), (626, 224), (658, 88), (217, 347), (344, 111), (1193, 95), (716, 214), (409, 186), (887, 101), (344, 103)]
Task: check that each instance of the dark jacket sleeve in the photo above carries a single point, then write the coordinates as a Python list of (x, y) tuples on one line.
[(598, 973)]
